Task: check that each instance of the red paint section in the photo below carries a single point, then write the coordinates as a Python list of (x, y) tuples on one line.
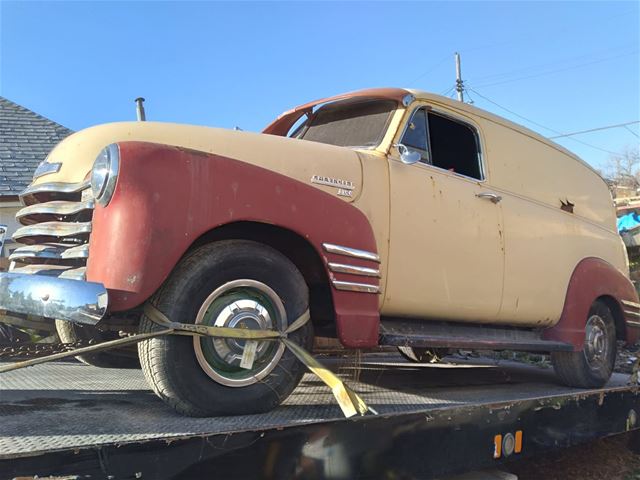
[(281, 125), (167, 197), (592, 278)]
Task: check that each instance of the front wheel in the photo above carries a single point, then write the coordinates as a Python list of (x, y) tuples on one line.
[(593, 365), (115, 358), (236, 284)]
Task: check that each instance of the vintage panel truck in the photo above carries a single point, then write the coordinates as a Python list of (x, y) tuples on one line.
[(396, 216)]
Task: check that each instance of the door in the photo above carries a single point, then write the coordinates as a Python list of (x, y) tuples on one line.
[(446, 256)]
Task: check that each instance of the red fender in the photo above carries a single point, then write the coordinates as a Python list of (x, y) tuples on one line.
[(593, 278), (166, 197)]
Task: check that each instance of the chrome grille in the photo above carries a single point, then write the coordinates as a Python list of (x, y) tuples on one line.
[(56, 227)]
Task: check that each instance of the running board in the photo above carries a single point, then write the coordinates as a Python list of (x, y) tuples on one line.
[(429, 333)]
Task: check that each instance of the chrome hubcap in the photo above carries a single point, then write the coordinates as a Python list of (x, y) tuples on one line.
[(596, 345), (246, 304)]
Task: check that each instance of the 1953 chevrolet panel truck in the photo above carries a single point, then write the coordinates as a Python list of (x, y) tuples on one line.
[(396, 216)]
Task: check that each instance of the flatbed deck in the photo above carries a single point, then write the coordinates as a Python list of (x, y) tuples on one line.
[(69, 418)]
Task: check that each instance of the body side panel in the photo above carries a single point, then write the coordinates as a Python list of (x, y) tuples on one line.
[(446, 250), (544, 243)]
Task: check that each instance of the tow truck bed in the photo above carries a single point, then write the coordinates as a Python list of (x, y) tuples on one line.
[(72, 419)]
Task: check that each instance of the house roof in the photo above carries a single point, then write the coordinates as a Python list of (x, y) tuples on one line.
[(25, 140)]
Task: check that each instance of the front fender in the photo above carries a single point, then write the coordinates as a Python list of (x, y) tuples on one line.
[(166, 197)]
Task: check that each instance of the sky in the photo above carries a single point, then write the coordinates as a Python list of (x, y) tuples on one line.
[(555, 67)]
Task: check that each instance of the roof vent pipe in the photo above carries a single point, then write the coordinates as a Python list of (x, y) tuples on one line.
[(140, 109)]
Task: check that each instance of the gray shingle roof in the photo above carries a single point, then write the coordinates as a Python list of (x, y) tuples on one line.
[(25, 140)]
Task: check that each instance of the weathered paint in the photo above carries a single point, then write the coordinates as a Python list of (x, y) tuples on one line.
[(154, 218), (521, 250), (592, 278)]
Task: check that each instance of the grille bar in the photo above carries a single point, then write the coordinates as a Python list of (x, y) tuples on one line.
[(50, 251), (30, 233), (56, 227), (51, 211)]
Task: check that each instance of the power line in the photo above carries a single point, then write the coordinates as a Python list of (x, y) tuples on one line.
[(538, 124), (557, 70), (440, 62), (607, 127), (535, 34), (447, 91), (631, 131), (494, 77)]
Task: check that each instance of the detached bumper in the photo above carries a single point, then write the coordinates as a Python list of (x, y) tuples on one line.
[(73, 300)]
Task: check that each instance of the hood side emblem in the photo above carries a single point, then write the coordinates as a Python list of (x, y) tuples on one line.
[(345, 187), (46, 168)]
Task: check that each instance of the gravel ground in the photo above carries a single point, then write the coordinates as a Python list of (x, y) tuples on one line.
[(614, 458), (627, 357)]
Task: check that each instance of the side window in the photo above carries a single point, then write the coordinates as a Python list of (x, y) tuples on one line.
[(454, 146), (415, 135)]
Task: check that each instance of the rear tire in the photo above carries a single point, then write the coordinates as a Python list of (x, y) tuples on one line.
[(593, 365), (227, 283), (116, 358)]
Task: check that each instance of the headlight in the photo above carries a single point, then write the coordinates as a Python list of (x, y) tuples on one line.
[(105, 174)]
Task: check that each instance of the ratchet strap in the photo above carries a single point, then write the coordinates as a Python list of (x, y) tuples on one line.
[(349, 402)]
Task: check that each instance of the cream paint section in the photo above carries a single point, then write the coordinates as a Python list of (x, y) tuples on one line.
[(445, 258), (374, 203), (543, 244), (394, 125), (543, 247), (532, 169), (294, 158)]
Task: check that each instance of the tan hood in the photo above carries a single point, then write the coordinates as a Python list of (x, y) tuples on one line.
[(297, 159)]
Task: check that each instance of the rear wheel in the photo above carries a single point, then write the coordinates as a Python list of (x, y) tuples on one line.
[(593, 365), (236, 284), (116, 358)]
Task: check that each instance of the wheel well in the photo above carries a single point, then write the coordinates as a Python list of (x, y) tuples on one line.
[(618, 315), (297, 249)]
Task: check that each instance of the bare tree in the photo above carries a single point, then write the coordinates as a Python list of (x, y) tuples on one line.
[(623, 170)]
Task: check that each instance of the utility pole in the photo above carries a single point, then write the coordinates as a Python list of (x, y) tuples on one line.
[(459, 82)]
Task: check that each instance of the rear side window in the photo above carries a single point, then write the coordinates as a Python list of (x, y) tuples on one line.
[(454, 146)]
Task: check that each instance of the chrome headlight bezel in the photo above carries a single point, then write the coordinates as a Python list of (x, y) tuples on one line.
[(104, 174)]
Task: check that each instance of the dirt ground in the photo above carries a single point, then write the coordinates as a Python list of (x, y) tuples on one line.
[(615, 458)]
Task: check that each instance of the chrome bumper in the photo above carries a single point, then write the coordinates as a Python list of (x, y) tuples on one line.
[(52, 297)]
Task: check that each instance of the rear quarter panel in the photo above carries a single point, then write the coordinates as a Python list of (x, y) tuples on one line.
[(543, 243)]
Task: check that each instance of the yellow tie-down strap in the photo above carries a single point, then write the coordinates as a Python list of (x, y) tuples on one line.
[(350, 403)]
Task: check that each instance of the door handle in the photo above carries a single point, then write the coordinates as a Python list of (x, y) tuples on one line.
[(489, 196)]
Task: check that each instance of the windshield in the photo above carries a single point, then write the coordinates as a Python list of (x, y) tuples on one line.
[(350, 123)]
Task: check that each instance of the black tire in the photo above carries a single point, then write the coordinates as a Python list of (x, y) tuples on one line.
[(116, 358), (423, 355), (584, 368), (170, 363)]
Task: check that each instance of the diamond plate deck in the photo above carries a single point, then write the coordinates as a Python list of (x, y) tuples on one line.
[(62, 406)]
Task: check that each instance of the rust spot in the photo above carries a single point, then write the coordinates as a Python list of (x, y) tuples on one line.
[(566, 205)]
